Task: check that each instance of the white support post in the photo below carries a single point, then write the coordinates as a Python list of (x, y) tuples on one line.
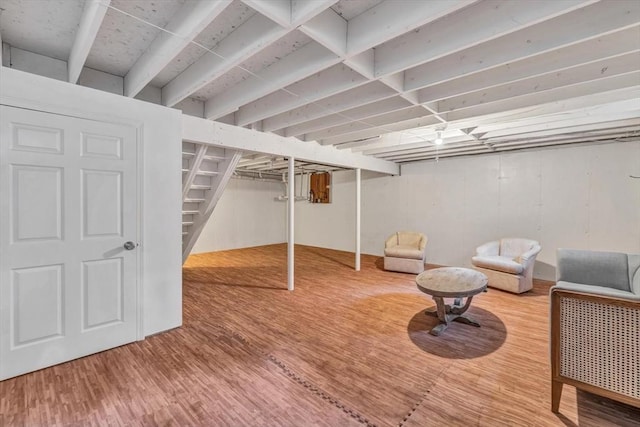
[(290, 238), (358, 200)]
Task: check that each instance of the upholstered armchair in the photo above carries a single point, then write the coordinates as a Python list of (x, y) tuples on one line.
[(508, 263), (595, 325), (404, 251)]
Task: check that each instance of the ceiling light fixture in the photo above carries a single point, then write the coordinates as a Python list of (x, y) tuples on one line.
[(438, 140)]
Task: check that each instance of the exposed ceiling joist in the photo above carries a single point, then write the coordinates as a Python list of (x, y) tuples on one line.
[(329, 29), (92, 16), (469, 27), (335, 79), (608, 46), (391, 21), (425, 120), (279, 11), (190, 20), (585, 74), (371, 78), (560, 95), (580, 25), (251, 37), (300, 64), (360, 95), (363, 112)]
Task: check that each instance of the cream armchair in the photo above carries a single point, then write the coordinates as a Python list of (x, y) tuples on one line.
[(508, 263), (404, 251)]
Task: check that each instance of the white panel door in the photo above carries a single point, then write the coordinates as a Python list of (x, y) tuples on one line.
[(68, 205)]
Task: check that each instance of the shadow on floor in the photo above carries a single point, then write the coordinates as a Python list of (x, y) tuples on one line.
[(459, 341)]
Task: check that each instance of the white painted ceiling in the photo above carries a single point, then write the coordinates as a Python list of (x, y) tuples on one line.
[(379, 77)]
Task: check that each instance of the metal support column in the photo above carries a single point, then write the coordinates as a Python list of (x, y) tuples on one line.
[(358, 200), (291, 210)]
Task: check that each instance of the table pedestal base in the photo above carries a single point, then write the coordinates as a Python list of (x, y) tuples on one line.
[(448, 313)]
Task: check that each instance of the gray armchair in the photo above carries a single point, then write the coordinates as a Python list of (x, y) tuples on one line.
[(595, 325)]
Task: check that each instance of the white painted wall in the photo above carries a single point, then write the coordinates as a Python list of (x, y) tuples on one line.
[(574, 197), (329, 225), (23, 60), (246, 215), (160, 131)]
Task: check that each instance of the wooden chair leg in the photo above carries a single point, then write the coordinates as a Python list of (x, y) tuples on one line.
[(556, 394)]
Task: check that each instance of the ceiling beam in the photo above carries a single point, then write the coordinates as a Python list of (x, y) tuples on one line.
[(561, 125), (395, 139), (391, 21), (378, 121), (298, 65), (330, 30), (250, 38), (335, 79), (466, 145), (407, 148), (440, 151), (583, 24), (592, 103), (471, 26), (191, 19), (289, 13), (334, 33), (416, 146), (596, 49), (577, 110), (362, 61), (592, 72), (279, 11), (425, 120), (611, 136), (209, 132), (92, 16), (605, 108), (614, 125), (364, 94), (560, 98), (359, 113), (304, 10)]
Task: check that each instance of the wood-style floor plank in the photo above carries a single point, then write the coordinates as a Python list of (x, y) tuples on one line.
[(345, 348)]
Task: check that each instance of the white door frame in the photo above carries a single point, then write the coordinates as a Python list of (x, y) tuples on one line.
[(61, 109)]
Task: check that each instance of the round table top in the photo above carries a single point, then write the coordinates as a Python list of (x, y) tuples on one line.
[(451, 282)]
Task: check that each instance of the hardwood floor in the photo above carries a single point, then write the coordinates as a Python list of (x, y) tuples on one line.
[(345, 348)]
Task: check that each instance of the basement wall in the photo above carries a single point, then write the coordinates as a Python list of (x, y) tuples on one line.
[(246, 215), (578, 197), (45, 66)]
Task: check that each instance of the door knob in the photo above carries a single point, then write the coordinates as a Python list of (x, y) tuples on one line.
[(130, 246)]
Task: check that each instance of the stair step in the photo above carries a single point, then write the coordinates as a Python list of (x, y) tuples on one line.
[(196, 212), (207, 173), (185, 170), (184, 233), (213, 157), (200, 187), (187, 223), (193, 200)]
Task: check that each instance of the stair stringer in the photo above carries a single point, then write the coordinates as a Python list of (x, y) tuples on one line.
[(218, 184)]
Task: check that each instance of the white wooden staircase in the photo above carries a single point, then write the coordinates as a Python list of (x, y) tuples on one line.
[(206, 170)]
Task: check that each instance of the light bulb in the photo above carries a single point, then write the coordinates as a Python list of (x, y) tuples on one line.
[(438, 140)]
